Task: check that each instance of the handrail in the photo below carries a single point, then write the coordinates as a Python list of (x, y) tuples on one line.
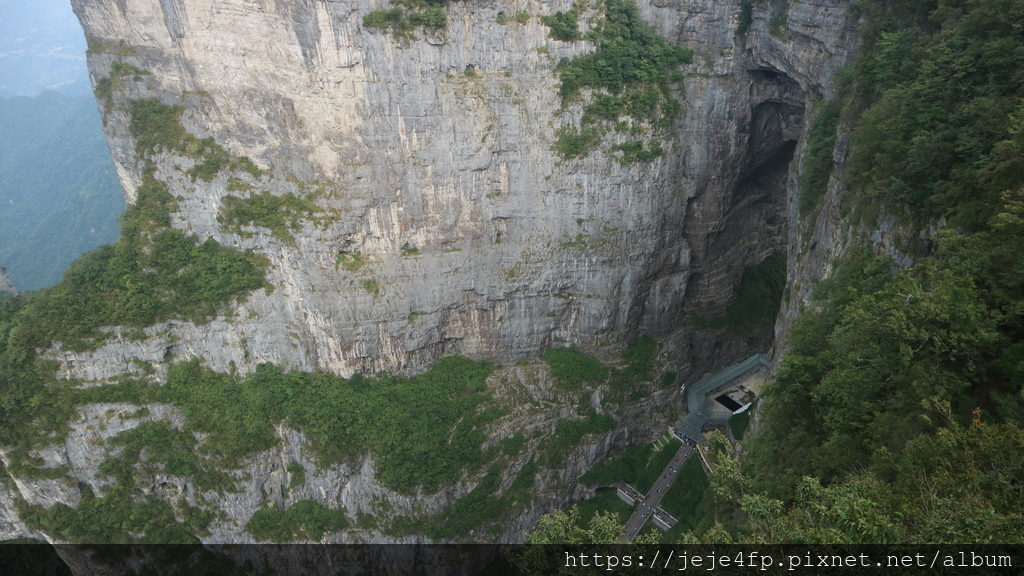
[(696, 395)]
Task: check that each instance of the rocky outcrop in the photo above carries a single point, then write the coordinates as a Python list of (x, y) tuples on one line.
[(535, 405), (6, 287)]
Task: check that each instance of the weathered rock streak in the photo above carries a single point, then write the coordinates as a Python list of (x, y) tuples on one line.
[(476, 239), (479, 240)]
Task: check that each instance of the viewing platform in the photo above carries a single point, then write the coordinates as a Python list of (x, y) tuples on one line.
[(737, 386)]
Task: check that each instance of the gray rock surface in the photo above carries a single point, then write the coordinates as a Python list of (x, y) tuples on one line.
[(6, 287), (481, 241), (535, 407)]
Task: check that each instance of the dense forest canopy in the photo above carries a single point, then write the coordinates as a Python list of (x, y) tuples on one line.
[(896, 413)]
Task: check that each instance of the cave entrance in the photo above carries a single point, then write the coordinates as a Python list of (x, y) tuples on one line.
[(776, 122), (753, 221)]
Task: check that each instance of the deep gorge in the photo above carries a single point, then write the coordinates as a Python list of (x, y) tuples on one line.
[(384, 200), (331, 199)]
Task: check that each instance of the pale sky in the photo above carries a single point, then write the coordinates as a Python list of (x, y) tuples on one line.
[(41, 47)]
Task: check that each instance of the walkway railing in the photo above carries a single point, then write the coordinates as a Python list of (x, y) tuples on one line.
[(705, 386), (692, 425)]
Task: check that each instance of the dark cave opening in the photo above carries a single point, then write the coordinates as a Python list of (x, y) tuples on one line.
[(753, 222), (754, 219)]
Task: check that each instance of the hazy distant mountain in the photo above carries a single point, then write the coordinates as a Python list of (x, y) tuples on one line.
[(59, 193), (42, 46)]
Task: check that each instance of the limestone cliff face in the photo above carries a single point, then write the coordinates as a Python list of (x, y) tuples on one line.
[(473, 237), (534, 403), (477, 239)]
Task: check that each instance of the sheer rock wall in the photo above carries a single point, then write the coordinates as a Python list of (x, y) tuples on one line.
[(478, 239)]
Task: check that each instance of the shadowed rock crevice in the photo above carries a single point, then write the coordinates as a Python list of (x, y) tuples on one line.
[(454, 228), (752, 214), (172, 18)]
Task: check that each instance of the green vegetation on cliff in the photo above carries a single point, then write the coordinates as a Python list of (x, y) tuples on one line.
[(422, 430), (859, 368), (153, 447), (572, 367), (279, 214), (818, 162), (631, 73), (569, 433), (107, 86), (896, 413), (940, 134), (304, 520), (407, 16), (156, 127), (115, 519), (564, 26), (152, 273), (118, 516)]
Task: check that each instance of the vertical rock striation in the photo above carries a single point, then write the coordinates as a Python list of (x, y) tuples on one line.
[(474, 237), (436, 218)]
